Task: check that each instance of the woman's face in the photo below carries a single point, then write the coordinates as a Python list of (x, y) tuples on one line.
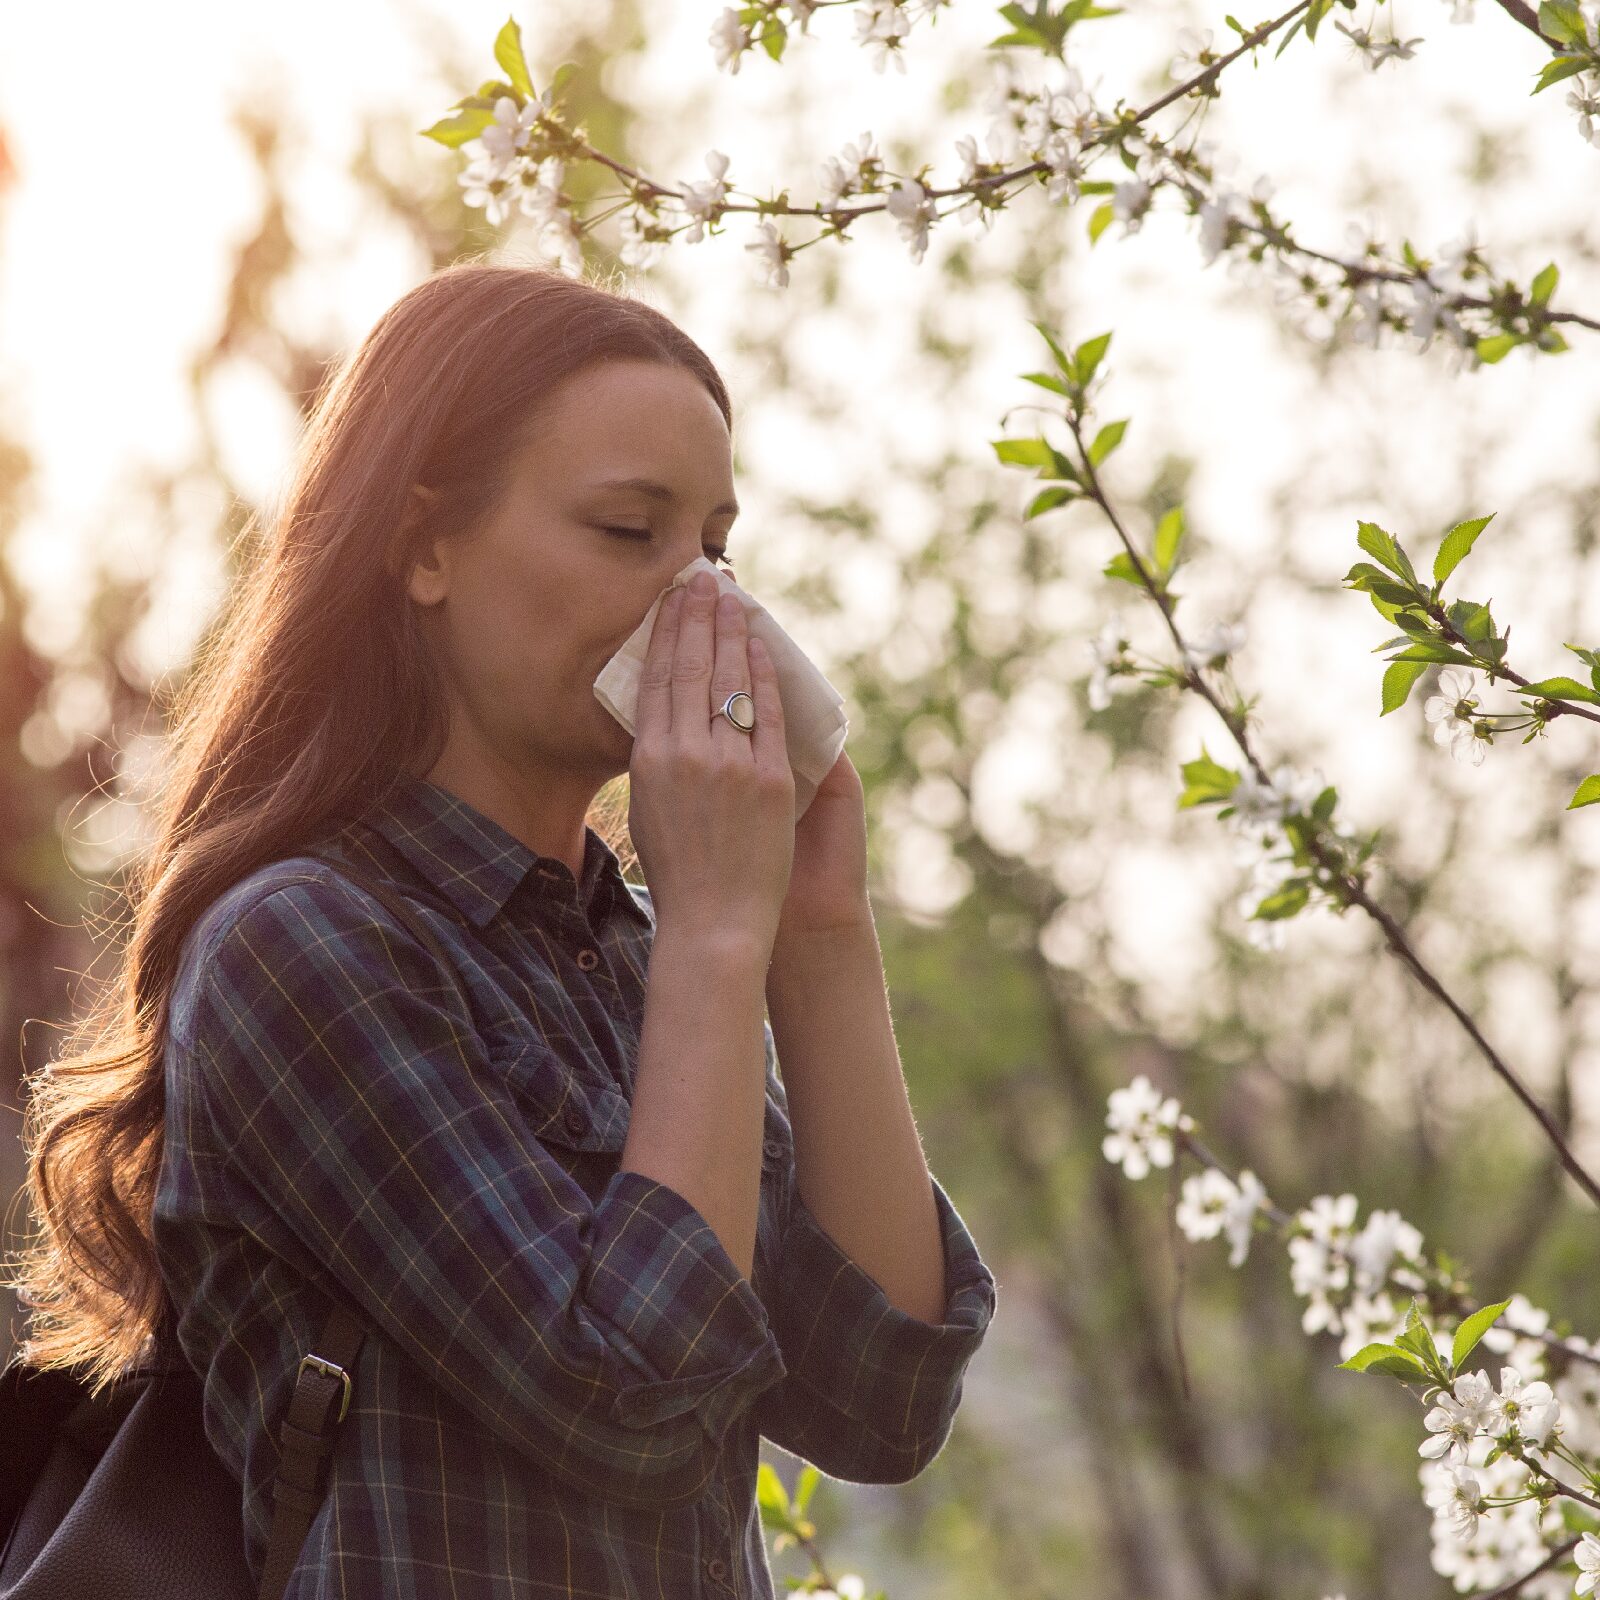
[(528, 611)]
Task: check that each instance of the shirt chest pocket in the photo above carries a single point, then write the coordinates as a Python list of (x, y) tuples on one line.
[(584, 1121), (581, 1120)]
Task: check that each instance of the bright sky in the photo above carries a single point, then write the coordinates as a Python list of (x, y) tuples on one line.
[(118, 236)]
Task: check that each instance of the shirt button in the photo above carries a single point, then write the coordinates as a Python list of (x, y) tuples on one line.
[(773, 1147), (717, 1567), (588, 960), (576, 1121)]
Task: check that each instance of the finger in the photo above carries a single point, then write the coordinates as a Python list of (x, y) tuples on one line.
[(654, 708), (691, 667), (770, 740), (730, 674)]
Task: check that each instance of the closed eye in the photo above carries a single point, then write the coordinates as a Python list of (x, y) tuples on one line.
[(642, 535)]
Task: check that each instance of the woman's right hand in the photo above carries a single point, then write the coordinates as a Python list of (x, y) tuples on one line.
[(710, 809)]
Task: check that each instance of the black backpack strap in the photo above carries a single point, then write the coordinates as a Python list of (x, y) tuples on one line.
[(306, 1435), (305, 1441)]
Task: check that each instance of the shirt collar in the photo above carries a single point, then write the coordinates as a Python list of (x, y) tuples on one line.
[(476, 863)]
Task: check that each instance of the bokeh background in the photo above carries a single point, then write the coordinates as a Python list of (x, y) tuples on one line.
[(203, 206)]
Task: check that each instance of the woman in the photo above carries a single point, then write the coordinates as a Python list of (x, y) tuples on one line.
[(558, 1196)]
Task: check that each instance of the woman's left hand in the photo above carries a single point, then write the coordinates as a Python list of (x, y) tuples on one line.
[(828, 882)]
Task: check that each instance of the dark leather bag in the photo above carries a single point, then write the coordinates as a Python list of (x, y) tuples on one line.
[(122, 1497)]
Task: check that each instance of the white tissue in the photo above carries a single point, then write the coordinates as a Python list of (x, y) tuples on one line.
[(814, 721)]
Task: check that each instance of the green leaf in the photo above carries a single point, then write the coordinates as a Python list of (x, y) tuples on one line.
[(1587, 792), (1205, 779), (1022, 452), (1294, 28), (1062, 360), (1555, 70), (1549, 339), (1456, 543), (1048, 500), (1046, 380), (1087, 357), (1472, 620), (1561, 689), (1562, 21), (1383, 547), (1386, 1358), (1169, 535), (1544, 285), (1362, 575), (1434, 650), (774, 38), (1397, 683), (1472, 1330), (1495, 346), (770, 1492), (1100, 219), (1284, 902), (804, 1486), (457, 130), (1121, 566), (508, 52), (1322, 806), (1397, 594), (1107, 440)]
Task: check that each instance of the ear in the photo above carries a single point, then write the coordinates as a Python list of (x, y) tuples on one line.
[(427, 576)]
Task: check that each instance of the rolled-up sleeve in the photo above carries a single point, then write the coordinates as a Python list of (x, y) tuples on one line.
[(871, 1392), (611, 1344)]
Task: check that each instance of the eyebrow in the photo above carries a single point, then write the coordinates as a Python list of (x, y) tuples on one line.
[(659, 491)]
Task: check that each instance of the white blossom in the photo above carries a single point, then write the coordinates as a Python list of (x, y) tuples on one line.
[(972, 209), (1238, 1220), (1578, 1390), (1203, 1205), (1587, 1555), (880, 26), (559, 242), (1530, 1410), (478, 181), (1142, 1122), (1456, 1420), (909, 205), (1373, 1250), (1431, 313), (1114, 673), (1451, 712), (509, 134), (1209, 648), (538, 193), (1369, 305), (1584, 98), (639, 249), (847, 172), (1131, 200), (1217, 216), (1194, 56), (701, 200), (771, 254), (1376, 51), (1460, 1498), (729, 40)]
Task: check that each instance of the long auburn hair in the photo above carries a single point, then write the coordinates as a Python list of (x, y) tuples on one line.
[(309, 697)]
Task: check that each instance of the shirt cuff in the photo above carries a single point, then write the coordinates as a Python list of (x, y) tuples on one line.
[(689, 1326), (842, 1336)]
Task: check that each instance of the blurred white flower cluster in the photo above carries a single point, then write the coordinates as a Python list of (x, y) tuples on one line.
[(1142, 1121), (1349, 1276)]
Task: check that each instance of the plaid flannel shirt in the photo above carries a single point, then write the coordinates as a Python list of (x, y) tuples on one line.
[(566, 1376)]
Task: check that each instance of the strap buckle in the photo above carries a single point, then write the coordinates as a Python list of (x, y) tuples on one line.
[(331, 1369)]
